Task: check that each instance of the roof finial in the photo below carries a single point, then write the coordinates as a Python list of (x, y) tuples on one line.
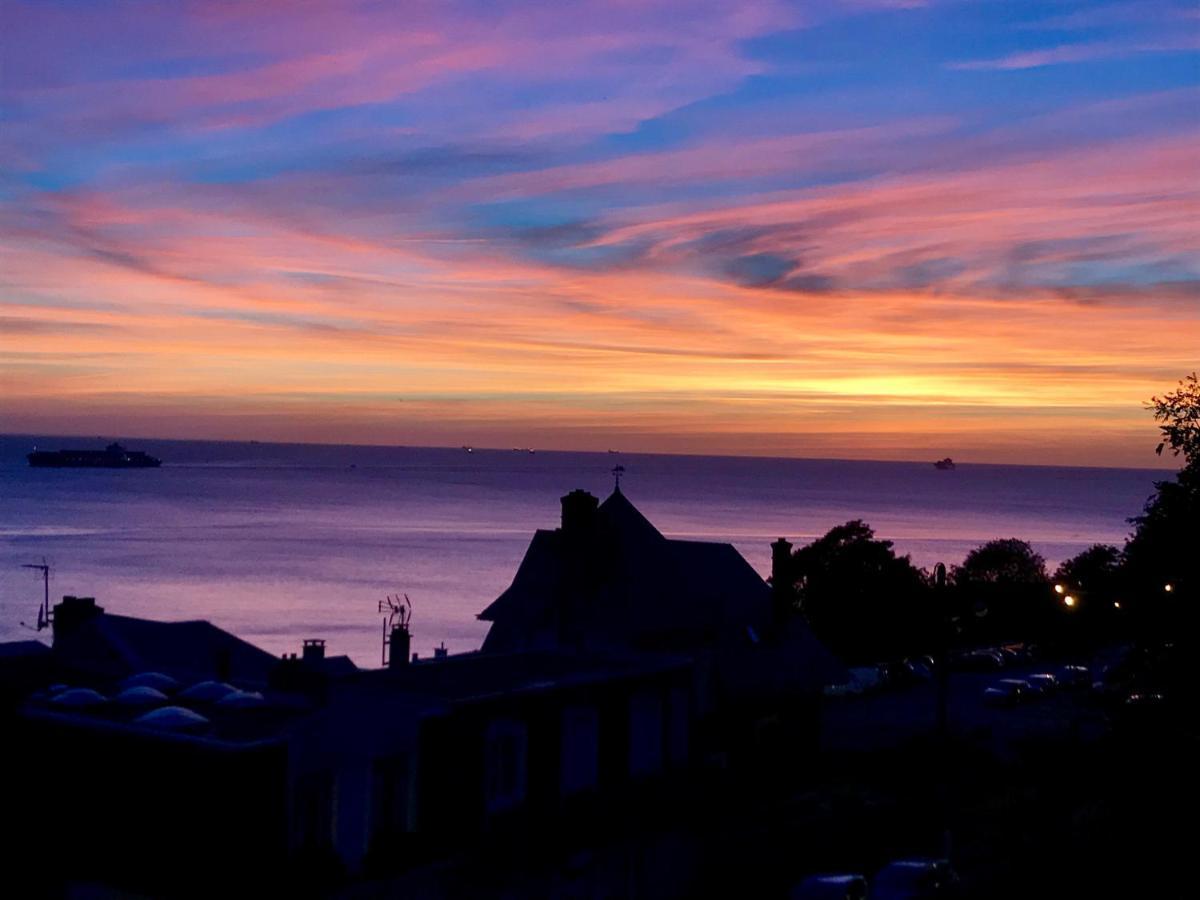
[(617, 472)]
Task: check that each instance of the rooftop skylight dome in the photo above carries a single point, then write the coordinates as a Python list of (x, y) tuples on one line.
[(140, 697), (207, 691), (156, 680), (79, 698), (173, 718)]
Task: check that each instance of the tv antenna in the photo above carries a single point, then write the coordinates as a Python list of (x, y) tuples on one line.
[(45, 616), (617, 472), (399, 616)]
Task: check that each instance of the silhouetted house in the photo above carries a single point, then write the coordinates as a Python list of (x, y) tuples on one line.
[(448, 777), (24, 666), (89, 641), (608, 580), (529, 745)]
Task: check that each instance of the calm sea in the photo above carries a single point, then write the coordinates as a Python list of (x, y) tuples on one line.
[(281, 542)]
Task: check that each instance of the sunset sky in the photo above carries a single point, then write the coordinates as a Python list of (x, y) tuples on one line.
[(853, 229)]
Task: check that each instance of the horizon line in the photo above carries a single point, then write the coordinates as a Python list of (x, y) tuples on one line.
[(606, 451)]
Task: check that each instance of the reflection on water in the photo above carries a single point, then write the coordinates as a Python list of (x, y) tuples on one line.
[(283, 542)]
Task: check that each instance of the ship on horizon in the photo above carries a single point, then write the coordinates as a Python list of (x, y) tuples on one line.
[(946, 463), (114, 456)]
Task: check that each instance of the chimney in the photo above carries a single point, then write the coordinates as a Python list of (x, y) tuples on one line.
[(313, 650), (781, 586), (578, 513), (72, 613), (399, 645)]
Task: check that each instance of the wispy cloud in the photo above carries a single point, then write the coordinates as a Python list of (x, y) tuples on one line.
[(1078, 53), (630, 222)]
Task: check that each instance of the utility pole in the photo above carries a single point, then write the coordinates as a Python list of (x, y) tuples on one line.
[(945, 625), (44, 617)]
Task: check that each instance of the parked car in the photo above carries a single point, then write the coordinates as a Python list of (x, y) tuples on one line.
[(915, 879), (1031, 688), (1010, 655), (1006, 692), (1074, 676), (1044, 680), (981, 661), (830, 887), (1141, 711), (917, 669), (862, 680), (1145, 699), (901, 673)]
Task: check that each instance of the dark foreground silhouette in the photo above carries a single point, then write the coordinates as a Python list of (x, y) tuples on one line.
[(647, 718)]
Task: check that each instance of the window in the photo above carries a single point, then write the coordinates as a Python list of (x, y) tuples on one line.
[(389, 795), (580, 764), (678, 725), (313, 810), (504, 756), (645, 734)]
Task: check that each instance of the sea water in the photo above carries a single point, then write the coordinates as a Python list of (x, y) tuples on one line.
[(279, 542)]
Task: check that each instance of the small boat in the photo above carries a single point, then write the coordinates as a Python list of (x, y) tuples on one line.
[(114, 456), (946, 463)]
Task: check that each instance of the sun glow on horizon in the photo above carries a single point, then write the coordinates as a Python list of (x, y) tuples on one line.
[(468, 226)]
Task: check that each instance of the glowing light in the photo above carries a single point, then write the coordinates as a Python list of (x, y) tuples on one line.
[(1168, 588), (1116, 604), (254, 270), (1069, 600), (1058, 589)]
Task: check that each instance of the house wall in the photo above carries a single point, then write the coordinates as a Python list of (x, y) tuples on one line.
[(144, 812), (635, 729)]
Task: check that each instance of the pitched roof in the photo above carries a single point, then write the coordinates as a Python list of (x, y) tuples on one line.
[(120, 645), (632, 572), (23, 650), (623, 584), (474, 676)]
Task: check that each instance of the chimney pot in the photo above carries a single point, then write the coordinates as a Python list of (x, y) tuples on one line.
[(781, 589), (313, 650), (398, 646), (73, 612)]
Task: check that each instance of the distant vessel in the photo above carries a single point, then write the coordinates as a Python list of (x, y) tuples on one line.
[(114, 456), (946, 463)]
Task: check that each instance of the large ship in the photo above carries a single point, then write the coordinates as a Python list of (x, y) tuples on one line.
[(944, 464), (114, 456)]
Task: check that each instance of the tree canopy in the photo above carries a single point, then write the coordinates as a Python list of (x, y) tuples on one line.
[(1094, 571), (1178, 415), (1005, 585), (862, 599), (1163, 548), (1004, 561)]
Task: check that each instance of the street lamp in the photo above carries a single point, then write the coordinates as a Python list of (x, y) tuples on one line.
[(1069, 600), (1168, 587), (1059, 589)]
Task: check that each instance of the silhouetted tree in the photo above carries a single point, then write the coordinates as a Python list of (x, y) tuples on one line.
[(1095, 578), (1093, 574), (1179, 415), (1008, 561), (1163, 548), (865, 602), (1005, 583)]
